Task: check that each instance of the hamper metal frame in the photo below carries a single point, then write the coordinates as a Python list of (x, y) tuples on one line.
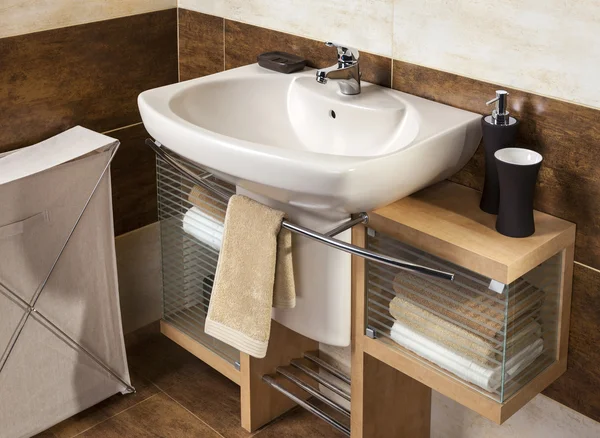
[(30, 310)]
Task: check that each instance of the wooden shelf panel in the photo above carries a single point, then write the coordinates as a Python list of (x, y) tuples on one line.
[(439, 380), (200, 351), (445, 220)]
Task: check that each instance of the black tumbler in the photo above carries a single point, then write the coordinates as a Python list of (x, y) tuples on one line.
[(495, 137), (517, 174)]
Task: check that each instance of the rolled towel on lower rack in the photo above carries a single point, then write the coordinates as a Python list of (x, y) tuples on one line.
[(488, 378), (203, 227)]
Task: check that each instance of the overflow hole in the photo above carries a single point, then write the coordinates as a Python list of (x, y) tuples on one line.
[(332, 114)]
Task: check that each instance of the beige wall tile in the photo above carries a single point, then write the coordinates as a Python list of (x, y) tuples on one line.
[(549, 47), (18, 17), (140, 277), (540, 418), (365, 24)]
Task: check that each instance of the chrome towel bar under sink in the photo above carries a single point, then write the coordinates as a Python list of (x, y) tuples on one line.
[(327, 238)]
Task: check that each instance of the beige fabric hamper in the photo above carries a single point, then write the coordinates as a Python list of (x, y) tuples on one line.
[(55, 361)]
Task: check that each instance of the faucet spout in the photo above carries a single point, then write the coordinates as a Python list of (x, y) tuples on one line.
[(346, 71)]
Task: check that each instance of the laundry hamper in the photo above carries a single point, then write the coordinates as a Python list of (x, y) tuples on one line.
[(61, 339)]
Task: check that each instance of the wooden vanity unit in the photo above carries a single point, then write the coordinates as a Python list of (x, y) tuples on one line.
[(391, 384), (491, 339)]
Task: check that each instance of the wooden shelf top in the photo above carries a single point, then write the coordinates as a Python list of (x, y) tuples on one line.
[(445, 220)]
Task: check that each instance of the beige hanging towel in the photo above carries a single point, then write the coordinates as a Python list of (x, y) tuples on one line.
[(254, 273)]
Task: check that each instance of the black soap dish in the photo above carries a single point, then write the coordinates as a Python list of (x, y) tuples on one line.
[(281, 62)]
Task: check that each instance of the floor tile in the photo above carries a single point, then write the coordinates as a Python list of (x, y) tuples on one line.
[(104, 410), (195, 401), (299, 423), (159, 416), (46, 434), (205, 392)]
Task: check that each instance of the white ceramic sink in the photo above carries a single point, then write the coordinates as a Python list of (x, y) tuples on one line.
[(304, 148), (293, 140)]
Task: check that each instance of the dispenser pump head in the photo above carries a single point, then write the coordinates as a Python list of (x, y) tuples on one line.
[(500, 114)]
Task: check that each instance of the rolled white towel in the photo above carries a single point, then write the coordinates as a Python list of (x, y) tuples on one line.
[(487, 378), (203, 227)]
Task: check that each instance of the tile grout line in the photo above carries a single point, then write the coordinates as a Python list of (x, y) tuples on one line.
[(187, 410), (587, 266), (178, 47), (393, 44), (121, 127), (113, 416)]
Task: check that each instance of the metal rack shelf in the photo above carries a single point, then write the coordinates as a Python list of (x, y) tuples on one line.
[(317, 386)]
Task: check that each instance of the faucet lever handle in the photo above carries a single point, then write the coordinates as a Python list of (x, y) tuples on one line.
[(346, 55)]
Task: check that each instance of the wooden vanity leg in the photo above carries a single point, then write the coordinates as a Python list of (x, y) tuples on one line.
[(385, 402), (261, 404), (394, 405)]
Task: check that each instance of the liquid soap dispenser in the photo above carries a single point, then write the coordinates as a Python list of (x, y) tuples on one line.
[(499, 132)]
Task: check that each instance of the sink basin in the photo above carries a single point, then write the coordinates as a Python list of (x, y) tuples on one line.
[(306, 149), (295, 141)]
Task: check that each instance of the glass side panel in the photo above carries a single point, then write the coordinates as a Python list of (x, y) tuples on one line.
[(191, 221), (491, 336)]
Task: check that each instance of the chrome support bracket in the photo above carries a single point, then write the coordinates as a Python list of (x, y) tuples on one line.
[(371, 333), (355, 219)]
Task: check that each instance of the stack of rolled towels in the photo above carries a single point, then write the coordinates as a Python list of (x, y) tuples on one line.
[(462, 329), (204, 220)]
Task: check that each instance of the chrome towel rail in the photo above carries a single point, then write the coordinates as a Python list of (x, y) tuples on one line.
[(326, 239)]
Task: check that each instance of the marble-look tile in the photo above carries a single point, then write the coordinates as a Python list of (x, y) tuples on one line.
[(18, 17), (244, 42), (540, 418), (364, 24), (140, 278), (549, 47), (201, 41), (159, 416)]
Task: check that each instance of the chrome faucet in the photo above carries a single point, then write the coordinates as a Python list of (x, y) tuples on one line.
[(347, 70)]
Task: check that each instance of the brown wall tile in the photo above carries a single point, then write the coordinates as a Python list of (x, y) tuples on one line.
[(567, 135), (244, 42), (200, 44), (89, 75), (578, 387), (133, 176)]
